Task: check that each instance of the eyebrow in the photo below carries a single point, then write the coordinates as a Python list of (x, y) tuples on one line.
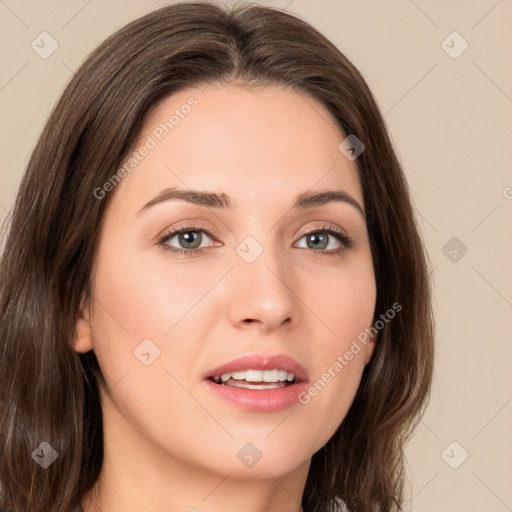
[(213, 200)]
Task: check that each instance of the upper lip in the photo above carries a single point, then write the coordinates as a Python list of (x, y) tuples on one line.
[(262, 362)]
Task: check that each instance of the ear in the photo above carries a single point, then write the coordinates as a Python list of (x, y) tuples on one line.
[(369, 349), (83, 330)]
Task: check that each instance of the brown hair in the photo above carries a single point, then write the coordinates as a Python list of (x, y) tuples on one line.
[(49, 393)]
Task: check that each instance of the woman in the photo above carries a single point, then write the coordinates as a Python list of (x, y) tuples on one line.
[(213, 292)]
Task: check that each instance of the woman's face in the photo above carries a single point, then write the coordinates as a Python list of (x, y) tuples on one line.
[(266, 278)]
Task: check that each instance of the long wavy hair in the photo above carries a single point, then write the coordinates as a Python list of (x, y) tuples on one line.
[(48, 392)]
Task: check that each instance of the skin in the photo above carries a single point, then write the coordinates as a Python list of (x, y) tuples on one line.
[(171, 444)]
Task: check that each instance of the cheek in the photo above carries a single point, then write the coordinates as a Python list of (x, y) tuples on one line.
[(144, 296), (345, 302), (344, 299), (138, 309)]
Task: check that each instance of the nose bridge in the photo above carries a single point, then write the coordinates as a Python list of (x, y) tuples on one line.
[(262, 284)]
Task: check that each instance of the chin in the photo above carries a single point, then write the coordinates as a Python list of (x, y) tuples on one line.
[(262, 455)]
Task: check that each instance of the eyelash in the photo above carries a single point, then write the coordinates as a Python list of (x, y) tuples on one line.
[(345, 240)]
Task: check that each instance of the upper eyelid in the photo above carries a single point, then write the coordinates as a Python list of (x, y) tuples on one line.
[(200, 227), (326, 226)]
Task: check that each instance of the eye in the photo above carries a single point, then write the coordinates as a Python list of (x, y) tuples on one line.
[(191, 240), (328, 240), (186, 240)]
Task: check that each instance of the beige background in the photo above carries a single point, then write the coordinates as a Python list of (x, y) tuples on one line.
[(451, 121)]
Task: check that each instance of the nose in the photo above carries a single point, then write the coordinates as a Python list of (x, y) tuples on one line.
[(263, 295)]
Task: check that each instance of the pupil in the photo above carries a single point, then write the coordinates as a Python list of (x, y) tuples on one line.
[(189, 239), (317, 240)]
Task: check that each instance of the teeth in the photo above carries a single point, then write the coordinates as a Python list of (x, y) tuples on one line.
[(281, 375), (258, 376), (253, 376), (270, 376)]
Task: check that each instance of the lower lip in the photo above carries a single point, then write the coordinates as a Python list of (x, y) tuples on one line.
[(259, 400)]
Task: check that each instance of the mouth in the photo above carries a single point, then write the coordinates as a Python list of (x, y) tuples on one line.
[(259, 383)]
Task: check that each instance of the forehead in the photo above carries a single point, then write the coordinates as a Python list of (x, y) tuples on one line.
[(250, 142)]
